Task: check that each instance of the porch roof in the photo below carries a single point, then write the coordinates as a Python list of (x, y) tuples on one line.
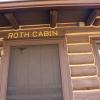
[(28, 12)]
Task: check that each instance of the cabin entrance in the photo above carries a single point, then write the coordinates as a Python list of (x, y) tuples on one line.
[(34, 73), (35, 70)]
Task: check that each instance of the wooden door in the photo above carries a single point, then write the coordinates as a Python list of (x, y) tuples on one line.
[(34, 73)]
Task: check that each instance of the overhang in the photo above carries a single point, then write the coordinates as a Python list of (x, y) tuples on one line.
[(13, 4)]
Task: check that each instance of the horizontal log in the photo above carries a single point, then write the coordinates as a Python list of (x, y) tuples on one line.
[(79, 48), (81, 59), (77, 39), (83, 71), (86, 83), (87, 95)]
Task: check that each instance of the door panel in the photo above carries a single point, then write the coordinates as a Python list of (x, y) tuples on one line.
[(34, 73)]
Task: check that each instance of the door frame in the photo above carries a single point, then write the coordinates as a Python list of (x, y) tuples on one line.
[(63, 57)]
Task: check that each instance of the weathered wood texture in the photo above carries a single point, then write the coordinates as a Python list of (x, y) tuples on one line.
[(84, 71), (79, 48), (53, 18), (77, 39), (86, 83), (87, 95), (82, 65), (12, 20), (81, 58), (92, 17)]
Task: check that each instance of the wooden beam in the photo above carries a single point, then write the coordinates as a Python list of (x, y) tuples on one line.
[(92, 17), (49, 3), (53, 18), (12, 20)]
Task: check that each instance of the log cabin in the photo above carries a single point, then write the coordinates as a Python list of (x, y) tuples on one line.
[(49, 49)]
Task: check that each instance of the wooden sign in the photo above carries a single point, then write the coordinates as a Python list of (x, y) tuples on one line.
[(35, 33)]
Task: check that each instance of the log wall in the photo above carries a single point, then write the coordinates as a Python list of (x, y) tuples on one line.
[(83, 68), (84, 71)]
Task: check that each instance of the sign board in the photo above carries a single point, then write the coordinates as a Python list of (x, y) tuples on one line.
[(35, 33)]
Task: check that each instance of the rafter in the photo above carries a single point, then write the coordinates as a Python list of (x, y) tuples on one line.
[(92, 17), (53, 18), (12, 20)]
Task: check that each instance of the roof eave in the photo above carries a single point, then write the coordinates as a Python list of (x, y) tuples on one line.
[(37, 4)]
